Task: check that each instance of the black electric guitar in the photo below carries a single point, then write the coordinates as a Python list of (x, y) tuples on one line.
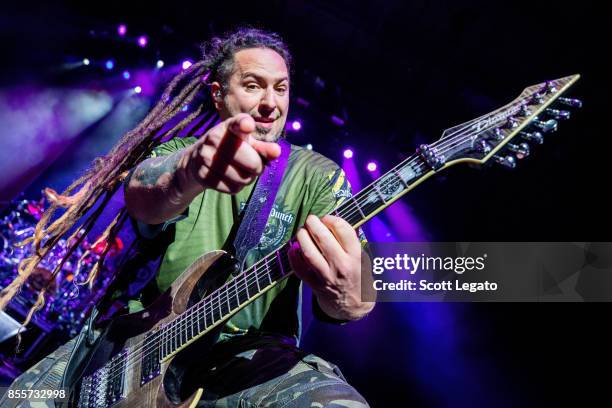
[(127, 366)]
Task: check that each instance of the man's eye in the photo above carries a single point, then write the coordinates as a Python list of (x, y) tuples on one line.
[(281, 90), (252, 86)]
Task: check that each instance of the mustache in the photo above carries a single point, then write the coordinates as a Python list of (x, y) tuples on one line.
[(271, 118)]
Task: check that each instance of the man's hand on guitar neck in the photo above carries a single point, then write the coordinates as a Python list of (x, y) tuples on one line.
[(226, 159), (327, 255)]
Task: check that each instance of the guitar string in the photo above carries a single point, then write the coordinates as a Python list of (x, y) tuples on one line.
[(143, 352), (182, 322), (183, 318)]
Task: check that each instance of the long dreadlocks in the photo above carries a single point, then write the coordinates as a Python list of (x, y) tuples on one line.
[(89, 194)]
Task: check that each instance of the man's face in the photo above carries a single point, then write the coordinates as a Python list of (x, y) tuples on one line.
[(259, 86)]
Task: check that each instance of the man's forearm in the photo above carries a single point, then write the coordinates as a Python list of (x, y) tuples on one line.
[(158, 189)]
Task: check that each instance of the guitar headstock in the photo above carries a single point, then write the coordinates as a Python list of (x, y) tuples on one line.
[(504, 134)]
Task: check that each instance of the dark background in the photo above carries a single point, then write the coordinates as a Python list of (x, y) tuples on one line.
[(399, 73)]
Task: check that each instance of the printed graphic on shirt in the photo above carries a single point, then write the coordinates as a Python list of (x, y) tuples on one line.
[(279, 224), (341, 188)]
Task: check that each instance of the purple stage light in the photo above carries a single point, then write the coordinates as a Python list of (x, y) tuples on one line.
[(308, 146), (137, 89), (142, 41), (122, 30), (110, 64), (372, 166), (302, 102), (296, 125), (186, 64), (337, 121), (159, 64), (86, 61), (348, 154), (126, 74)]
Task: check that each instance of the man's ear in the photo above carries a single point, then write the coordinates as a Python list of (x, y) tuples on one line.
[(216, 94)]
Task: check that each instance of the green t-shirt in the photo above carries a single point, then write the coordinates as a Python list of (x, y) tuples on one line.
[(312, 184)]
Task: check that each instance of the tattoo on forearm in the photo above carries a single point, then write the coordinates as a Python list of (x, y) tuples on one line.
[(149, 172)]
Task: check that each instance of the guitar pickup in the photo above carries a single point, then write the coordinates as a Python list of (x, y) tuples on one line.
[(150, 361)]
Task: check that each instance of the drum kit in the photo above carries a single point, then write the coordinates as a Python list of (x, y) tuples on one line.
[(69, 299)]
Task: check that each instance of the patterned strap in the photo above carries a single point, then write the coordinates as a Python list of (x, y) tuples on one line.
[(260, 204)]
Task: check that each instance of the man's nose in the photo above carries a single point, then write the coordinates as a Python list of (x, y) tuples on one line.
[(268, 100)]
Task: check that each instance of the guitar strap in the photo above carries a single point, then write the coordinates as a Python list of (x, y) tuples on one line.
[(255, 215)]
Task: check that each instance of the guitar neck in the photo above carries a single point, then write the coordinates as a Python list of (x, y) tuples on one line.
[(234, 295), (475, 141)]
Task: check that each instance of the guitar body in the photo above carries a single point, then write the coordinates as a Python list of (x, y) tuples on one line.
[(130, 331)]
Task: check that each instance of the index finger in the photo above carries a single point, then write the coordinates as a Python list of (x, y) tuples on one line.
[(241, 125), (344, 233)]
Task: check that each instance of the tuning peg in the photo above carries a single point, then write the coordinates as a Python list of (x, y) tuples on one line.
[(507, 161), (558, 114), (524, 111), (549, 87), (535, 137), (521, 150), (536, 99), (545, 126), (482, 146), (498, 134), (512, 122), (574, 103)]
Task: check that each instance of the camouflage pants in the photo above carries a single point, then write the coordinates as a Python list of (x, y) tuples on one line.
[(277, 377), (264, 377), (46, 374)]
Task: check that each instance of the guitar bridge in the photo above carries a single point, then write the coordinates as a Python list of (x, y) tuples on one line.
[(105, 387)]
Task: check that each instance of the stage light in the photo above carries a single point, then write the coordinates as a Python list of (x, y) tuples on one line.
[(185, 108), (142, 41), (372, 166), (296, 125), (160, 64), (110, 64), (337, 121), (126, 74), (137, 89), (348, 154), (186, 64), (308, 146), (86, 61), (122, 30)]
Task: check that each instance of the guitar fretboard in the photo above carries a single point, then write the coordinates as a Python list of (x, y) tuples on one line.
[(274, 267)]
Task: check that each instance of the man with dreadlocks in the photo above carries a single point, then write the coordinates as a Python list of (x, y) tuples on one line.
[(192, 191)]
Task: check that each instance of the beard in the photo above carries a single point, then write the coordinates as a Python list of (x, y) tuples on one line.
[(268, 135)]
